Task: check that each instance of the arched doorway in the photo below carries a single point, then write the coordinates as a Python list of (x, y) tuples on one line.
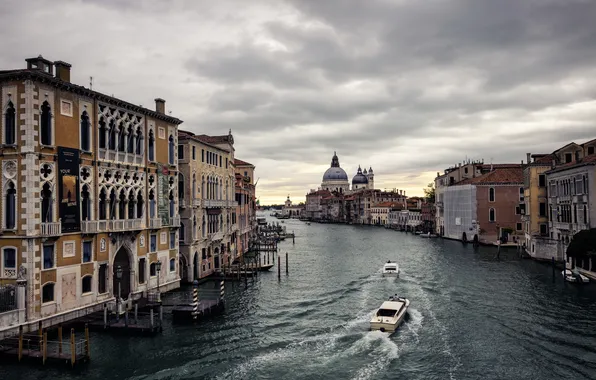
[(183, 268), (121, 260)]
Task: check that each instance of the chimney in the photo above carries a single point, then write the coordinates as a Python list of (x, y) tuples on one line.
[(528, 157), (160, 106), (62, 70)]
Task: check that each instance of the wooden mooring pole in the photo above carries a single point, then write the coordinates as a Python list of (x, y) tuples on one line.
[(87, 349), (20, 353), (278, 268), (59, 339), (73, 348), (287, 269), (45, 347)]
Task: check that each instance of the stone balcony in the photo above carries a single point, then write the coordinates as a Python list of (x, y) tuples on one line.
[(216, 236), (214, 203), (51, 228), (155, 223), (175, 221), (115, 225), (196, 202)]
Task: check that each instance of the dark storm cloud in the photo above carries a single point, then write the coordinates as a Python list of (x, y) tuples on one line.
[(405, 86)]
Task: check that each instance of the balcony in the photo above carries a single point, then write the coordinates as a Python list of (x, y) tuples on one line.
[(216, 236), (562, 226), (231, 203), (182, 203), (155, 223), (51, 229), (175, 221), (214, 203), (196, 202), (91, 226)]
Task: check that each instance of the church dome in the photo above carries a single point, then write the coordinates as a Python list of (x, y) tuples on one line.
[(359, 178), (335, 173)]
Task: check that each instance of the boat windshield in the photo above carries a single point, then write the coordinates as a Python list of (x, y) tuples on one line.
[(390, 267), (386, 313)]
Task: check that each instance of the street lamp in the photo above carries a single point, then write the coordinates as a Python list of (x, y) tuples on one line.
[(119, 277), (158, 268)]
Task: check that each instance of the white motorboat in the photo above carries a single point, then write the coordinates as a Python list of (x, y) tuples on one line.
[(390, 269), (390, 315), (428, 235), (574, 276)]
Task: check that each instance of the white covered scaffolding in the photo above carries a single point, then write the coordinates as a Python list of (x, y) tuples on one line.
[(459, 204)]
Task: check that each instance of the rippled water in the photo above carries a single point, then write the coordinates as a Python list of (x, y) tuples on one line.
[(471, 316)]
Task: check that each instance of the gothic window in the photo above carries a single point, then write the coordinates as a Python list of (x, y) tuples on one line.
[(122, 205), (151, 204), (585, 214), (9, 257), (203, 187), (140, 205), (113, 204), (491, 215), (121, 138), (46, 124), (102, 204), (220, 189), (491, 194), (139, 149), (151, 146), (130, 134), (10, 207), (182, 233), (203, 228), (46, 203), (112, 136), (194, 226), (171, 150), (171, 204), (85, 132), (131, 205), (194, 186), (102, 133), (180, 186), (10, 125)]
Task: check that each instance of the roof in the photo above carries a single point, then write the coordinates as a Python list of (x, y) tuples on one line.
[(499, 166), (239, 162), (40, 76), (542, 159), (324, 193), (498, 176), (385, 204), (208, 140), (588, 160)]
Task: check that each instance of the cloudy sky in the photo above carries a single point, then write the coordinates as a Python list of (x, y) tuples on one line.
[(408, 87)]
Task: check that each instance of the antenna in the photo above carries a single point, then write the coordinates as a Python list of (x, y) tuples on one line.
[(91, 83)]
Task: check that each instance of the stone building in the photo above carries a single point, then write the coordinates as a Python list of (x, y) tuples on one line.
[(89, 192), (206, 186), (246, 205)]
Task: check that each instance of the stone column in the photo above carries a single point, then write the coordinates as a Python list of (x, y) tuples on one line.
[(21, 294)]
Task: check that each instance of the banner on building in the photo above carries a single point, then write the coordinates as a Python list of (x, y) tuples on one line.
[(163, 197), (68, 191)]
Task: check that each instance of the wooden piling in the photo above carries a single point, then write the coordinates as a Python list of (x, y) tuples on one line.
[(287, 269), (45, 347), (73, 348), (20, 353), (59, 339), (553, 265), (87, 349), (278, 268), (293, 237), (136, 313), (151, 318), (105, 316)]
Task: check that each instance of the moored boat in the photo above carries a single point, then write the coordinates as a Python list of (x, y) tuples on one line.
[(390, 315), (574, 276)]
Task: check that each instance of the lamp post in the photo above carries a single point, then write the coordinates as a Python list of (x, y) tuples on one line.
[(158, 268), (119, 277)]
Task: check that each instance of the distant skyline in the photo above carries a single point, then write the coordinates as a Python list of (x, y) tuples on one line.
[(407, 87)]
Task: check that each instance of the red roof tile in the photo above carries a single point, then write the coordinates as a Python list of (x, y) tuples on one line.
[(499, 176), (214, 139), (588, 160), (239, 162)]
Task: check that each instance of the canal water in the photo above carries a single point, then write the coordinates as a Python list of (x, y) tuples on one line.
[(472, 316)]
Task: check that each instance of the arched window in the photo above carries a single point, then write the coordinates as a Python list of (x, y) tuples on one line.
[(85, 203), (10, 131), (172, 204), (140, 205), (46, 203), (102, 204), (203, 227), (182, 233), (131, 205), (46, 124), (220, 189), (227, 190), (47, 293), (194, 227), (491, 215), (585, 214), (121, 138), (203, 187), (220, 222), (194, 186), (151, 204), (180, 186), (491, 194), (10, 207), (171, 150), (112, 135), (113, 204), (151, 146), (139, 149), (85, 132), (130, 135), (102, 133), (172, 265), (122, 205)]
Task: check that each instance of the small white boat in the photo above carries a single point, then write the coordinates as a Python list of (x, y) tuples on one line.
[(428, 235), (390, 269), (574, 276), (390, 315)]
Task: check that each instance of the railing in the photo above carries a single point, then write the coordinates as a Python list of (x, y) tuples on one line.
[(562, 225), (231, 203), (155, 223), (8, 296), (51, 228), (89, 226), (214, 203), (196, 202), (175, 221)]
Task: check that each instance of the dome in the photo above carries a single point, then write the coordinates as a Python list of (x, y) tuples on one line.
[(335, 174), (359, 178)]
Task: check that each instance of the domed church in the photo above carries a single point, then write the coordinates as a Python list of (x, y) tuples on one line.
[(336, 179)]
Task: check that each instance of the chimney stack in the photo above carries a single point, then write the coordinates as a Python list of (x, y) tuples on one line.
[(160, 106), (62, 70), (528, 157)]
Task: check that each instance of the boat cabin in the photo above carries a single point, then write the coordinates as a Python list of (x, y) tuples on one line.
[(390, 267)]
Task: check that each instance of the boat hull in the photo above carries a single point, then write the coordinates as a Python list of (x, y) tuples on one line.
[(389, 324), (390, 274)]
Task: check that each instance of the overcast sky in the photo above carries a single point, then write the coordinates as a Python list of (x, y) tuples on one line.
[(407, 87)]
